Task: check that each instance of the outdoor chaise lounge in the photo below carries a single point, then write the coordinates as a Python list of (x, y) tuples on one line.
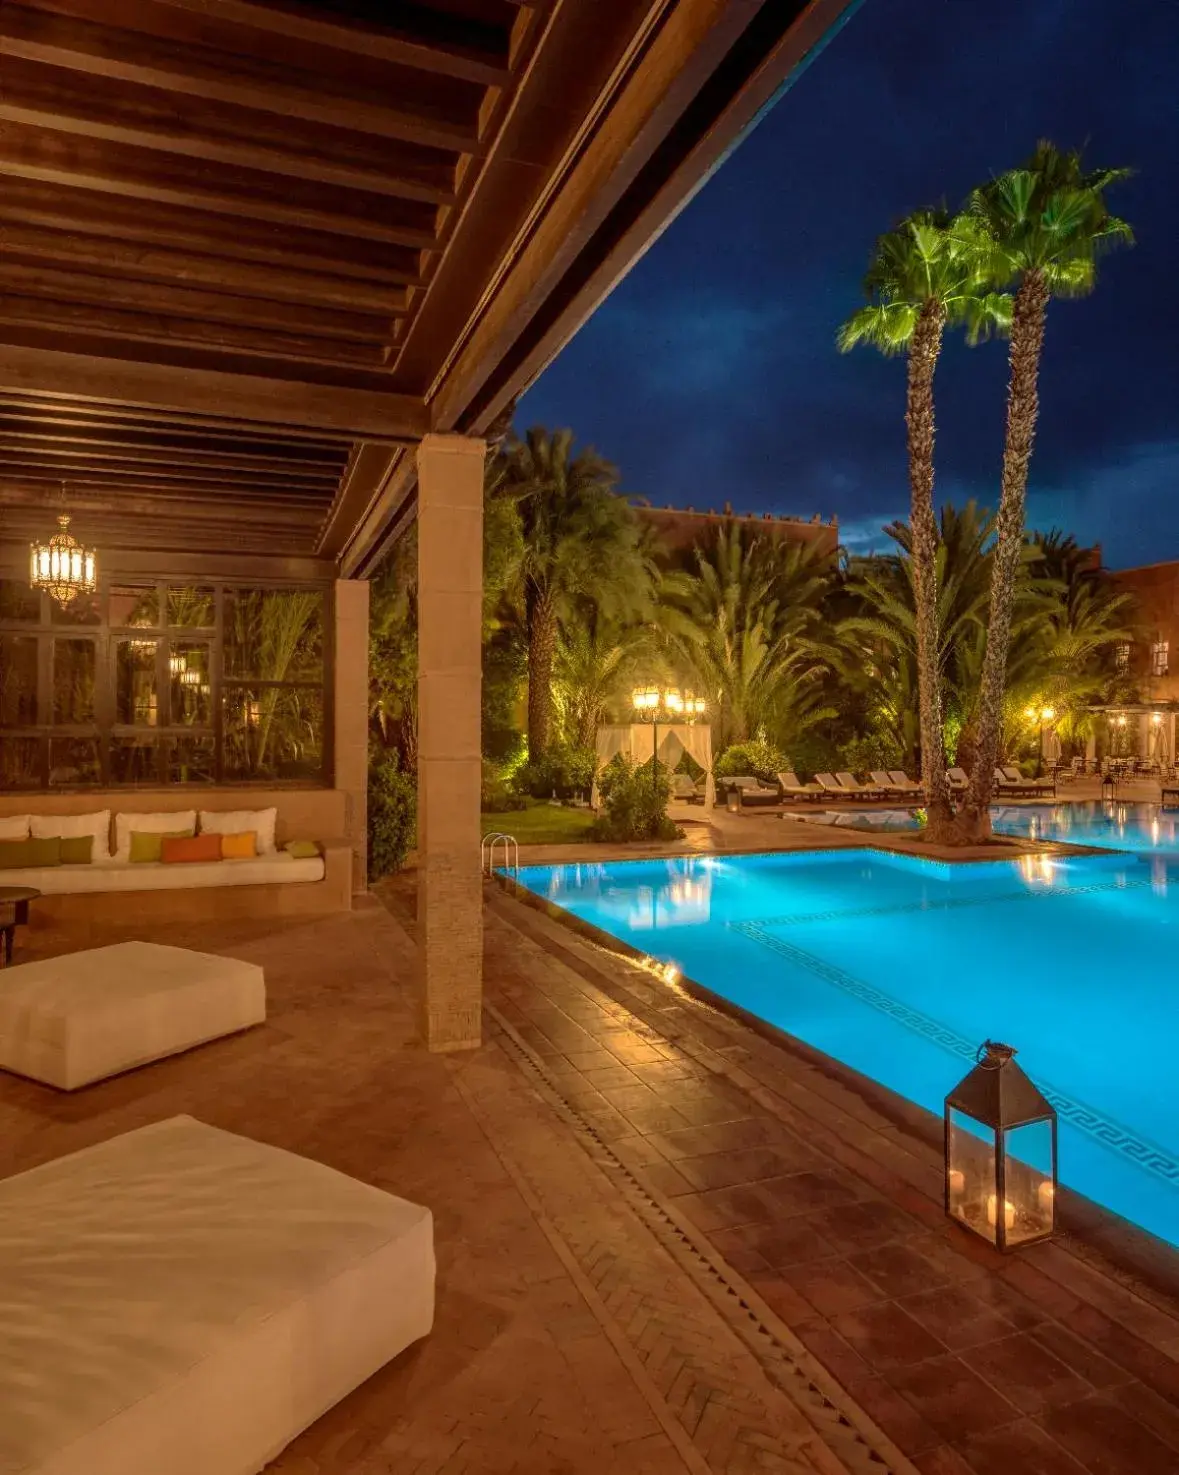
[(1011, 783), (683, 789), (751, 789), (184, 1301), (906, 785), (792, 789), (851, 785), (895, 784), (958, 780)]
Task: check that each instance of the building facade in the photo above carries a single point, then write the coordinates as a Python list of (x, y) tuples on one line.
[(1152, 660), (681, 528)]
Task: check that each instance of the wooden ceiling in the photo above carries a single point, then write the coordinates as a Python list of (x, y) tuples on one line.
[(243, 242)]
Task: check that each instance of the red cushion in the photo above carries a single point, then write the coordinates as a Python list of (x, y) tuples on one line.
[(191, 847)]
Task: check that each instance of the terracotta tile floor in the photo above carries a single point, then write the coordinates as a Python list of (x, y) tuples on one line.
[(827, 1207), (569, 1337)]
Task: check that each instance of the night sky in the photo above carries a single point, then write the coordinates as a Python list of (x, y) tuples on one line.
[(711, 375)]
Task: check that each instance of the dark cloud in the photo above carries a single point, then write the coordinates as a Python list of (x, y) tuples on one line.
[(710, 375)]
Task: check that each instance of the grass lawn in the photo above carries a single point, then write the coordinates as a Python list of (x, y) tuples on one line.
[(542, 824)]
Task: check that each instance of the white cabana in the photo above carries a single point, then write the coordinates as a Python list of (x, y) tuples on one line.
[(634, 740)]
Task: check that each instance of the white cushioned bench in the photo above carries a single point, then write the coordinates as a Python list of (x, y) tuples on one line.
[(121, 875), (183, 1301), (81, 1016)]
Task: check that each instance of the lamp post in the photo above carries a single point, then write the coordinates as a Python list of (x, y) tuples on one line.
[(669, 704), (1044, 715)]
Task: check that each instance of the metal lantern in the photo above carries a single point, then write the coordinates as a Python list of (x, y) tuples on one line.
[(1001, 1153), (61, 566)]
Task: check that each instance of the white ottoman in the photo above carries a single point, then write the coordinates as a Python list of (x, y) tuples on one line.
[(75, 1019), (183, 1301)]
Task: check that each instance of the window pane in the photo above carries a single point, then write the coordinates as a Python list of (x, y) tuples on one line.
[(74, 761), (135, 683), (274, 634), (18, 680), (73, 680), (194, 609), (135, 605), (192, 702), (274, 733), (134, 760), (18, 601), (20, 763), (84, 609), (191, 760)]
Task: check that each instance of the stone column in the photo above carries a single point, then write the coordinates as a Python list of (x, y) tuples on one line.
[(350, 725), (450, 615)]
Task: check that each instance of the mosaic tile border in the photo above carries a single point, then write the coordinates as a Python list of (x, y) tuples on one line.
[(1104, 1130)]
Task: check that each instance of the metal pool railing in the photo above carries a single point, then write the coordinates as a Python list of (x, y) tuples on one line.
[(490, 844)]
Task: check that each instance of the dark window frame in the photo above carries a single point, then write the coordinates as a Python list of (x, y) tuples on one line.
[(106, 728)]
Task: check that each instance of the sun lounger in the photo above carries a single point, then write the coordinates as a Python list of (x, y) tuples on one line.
[(1013, 776), (958, 780), (792, 789), (1020, 787), (851, 785), (903, 784)]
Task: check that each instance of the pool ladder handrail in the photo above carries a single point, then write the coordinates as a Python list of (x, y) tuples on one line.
[(487, 849)]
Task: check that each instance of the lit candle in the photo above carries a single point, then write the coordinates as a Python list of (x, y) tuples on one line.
[(957, 1183), (993, 1211), (1046, 1194)]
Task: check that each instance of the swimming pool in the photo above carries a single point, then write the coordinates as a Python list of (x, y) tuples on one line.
[(900, 967), (1142, 828)]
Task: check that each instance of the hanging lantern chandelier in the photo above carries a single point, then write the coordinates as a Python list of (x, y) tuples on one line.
[(61, 566)]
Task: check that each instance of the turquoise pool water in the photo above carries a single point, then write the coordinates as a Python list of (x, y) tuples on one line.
[(1142, 828), (900, 967)]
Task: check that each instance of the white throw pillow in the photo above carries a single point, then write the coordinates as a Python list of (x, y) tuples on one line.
[(127, 825), (70, 826), (14, 827), (239, 821)]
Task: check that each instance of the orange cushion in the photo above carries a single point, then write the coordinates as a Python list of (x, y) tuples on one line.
[(191, 847), (243, 846)]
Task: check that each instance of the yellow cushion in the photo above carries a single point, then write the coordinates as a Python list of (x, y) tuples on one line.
[(146, 847), (243, 846)]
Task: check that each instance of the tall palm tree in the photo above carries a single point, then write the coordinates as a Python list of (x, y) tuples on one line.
[(597, 657), (925, 275), (579, 539), (1045, 226)]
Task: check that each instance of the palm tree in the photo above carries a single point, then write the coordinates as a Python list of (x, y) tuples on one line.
[(746, 624), (925, 276), (1045, 226), (595, 660), (579, 539)]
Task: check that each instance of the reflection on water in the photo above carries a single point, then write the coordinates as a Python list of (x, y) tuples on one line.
[(1139, 827), (683, 897)]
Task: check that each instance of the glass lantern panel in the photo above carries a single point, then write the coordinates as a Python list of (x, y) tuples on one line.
[(970, 1169), (1030, 1181), (136, 701), (189, 667)]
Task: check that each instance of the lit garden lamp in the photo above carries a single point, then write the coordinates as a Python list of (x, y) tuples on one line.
[(1000, 1153), (664, 704), (1043, 715)]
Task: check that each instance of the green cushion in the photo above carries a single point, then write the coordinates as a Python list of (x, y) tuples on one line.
[(302, 849), (77, 850), (17, 854), (147, 847)]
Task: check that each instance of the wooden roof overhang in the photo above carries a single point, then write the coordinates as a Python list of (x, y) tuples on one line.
[(252, 250)]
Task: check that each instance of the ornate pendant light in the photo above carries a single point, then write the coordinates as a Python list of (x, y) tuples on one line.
[(61, 566)]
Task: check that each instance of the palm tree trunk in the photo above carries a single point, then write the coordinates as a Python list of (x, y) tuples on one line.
[(542, 649), (1028, 315), (924, 349)]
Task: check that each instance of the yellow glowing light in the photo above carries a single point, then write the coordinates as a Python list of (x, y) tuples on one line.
[(1048, 714), (993, 1211)]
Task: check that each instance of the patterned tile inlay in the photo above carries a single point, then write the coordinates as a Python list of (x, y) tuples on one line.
[(1102, 1129)]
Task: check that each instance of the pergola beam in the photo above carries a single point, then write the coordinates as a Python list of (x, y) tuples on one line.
[(273, 403)]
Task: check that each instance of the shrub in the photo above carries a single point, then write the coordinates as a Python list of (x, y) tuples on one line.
[(759, 758), (634, 806), (392, 814), (872, 750), (562, 772)]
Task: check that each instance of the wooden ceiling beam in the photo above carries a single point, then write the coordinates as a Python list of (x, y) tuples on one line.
[(15, 499), (143, 224), (340, 34), (54, 468), (31, 152), (150, 421), (92, 448), (276, 403), (149, 118), (245, 279), (86, 320), (34, 280), (222, 77)]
